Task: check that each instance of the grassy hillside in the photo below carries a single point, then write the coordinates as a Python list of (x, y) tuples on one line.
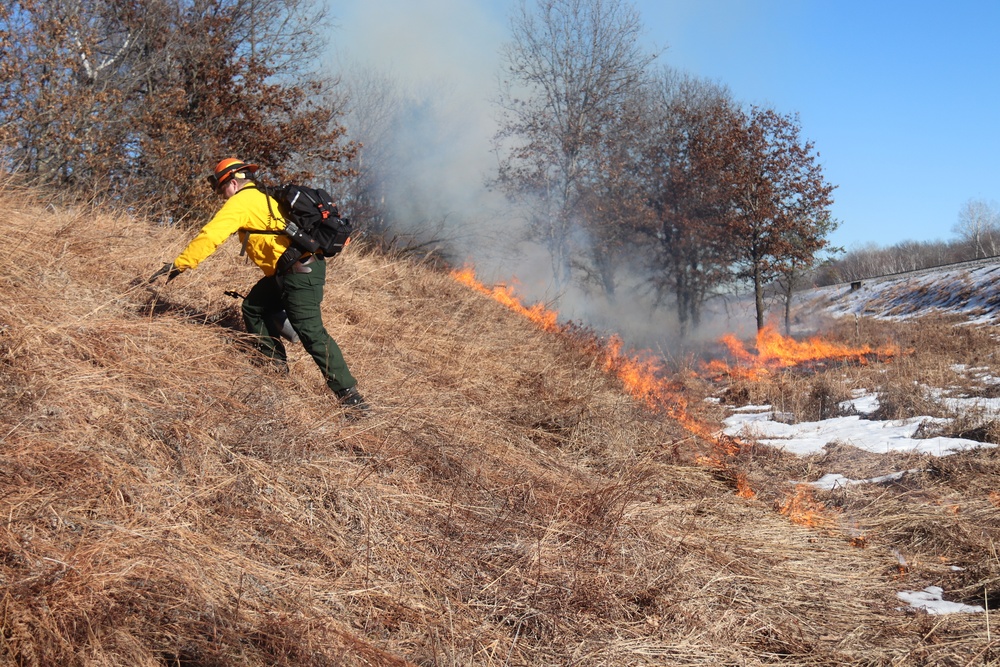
[(168, 501)]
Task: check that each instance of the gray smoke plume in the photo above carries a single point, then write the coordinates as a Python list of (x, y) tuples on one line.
[(421, 78)]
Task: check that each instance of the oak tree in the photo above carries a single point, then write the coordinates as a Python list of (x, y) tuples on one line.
[(136, 100), (686, 163), (780, 201)]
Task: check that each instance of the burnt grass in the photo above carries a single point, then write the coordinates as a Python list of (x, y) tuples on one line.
[(168, 500)]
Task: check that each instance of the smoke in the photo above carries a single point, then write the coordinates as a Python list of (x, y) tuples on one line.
[(422, 78)]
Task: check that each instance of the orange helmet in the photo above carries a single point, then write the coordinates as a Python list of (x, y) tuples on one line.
[(230, 168)]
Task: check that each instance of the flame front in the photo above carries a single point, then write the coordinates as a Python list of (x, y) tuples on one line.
[(775, 351), (547, 319), (642, 375), (644, 378)]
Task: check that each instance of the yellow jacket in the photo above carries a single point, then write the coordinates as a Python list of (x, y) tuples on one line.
[(246, 210)]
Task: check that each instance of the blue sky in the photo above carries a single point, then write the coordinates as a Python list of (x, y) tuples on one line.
[(900, 98)]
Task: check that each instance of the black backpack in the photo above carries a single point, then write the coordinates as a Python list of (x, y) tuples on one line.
[(312, 222)]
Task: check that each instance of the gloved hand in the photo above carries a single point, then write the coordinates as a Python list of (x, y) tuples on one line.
[(168, 270)]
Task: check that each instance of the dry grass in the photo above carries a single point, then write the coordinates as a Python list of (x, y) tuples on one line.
[(166, 501), (937, 525)]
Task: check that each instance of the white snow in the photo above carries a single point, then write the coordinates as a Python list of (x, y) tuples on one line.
[(880, 437), (969, 292), (930, 600), (871, 436), (836, 481)]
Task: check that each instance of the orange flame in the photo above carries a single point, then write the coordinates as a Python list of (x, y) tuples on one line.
[(801, 507), (643, 378), (547, 319), (775, 351), (643, 375), (743, 489)]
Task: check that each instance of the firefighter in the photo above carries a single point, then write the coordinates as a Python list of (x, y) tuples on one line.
[(299, 291)]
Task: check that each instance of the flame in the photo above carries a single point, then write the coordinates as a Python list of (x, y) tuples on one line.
[(743, 489), (801, 507), (547, 319), (902, 567), (642, 374), (643, 377), (639, 375), (775, 351)]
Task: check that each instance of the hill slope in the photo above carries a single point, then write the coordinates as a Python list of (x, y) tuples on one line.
[(170, 502), (967, 290)]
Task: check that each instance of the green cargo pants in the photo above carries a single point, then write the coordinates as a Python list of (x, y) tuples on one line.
[(300, 296)]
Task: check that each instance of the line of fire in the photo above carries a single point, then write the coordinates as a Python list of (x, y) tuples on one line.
[(644, 377)]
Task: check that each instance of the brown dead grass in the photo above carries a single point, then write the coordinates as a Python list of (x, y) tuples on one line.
[(936, 525), (166, 501)]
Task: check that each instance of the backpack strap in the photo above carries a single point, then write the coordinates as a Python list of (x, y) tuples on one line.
[(290, 255), (270, 215)]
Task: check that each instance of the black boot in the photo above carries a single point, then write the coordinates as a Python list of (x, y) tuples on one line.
[(352, 398)]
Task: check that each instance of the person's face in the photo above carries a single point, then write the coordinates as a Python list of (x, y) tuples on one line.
[(229, 188)]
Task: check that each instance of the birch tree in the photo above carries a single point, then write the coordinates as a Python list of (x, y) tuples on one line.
[(978, 226)]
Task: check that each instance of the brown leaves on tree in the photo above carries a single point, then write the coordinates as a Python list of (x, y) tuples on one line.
[(136, 101), (736, 195)]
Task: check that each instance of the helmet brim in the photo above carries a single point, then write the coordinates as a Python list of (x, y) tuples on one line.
[(217, 180)]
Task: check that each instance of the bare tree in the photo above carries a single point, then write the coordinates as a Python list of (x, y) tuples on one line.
[(979, 226), (572, 67), (288, 35), (871, 260), (394, 126), (373, 103)]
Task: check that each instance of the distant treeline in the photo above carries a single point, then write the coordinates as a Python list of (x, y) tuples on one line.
[(977, 233)]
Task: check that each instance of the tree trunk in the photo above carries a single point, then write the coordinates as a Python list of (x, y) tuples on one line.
[(681, 293), (606, 271), (788, 310), (758, 294)]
